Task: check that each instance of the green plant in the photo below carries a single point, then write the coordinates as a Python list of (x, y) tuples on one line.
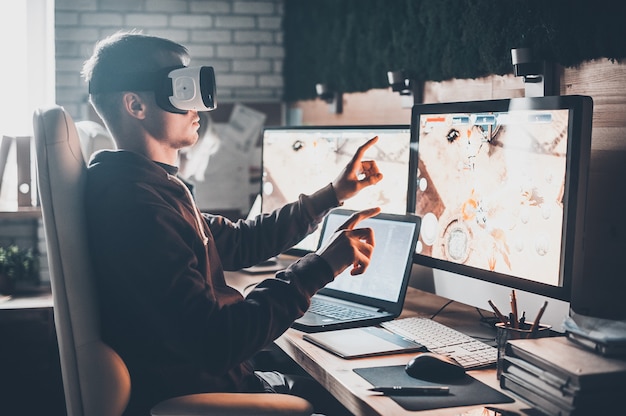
[(19, 264)]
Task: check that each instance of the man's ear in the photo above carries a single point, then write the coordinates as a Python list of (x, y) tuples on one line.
[(134, 105)]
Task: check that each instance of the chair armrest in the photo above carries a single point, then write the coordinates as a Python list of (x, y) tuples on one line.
[(234, 404)]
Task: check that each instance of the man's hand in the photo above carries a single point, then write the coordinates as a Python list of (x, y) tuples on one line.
[(357, 174), (350, 246)]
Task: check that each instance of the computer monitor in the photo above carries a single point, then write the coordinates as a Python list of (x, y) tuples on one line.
[(303, 159), (501, 188)]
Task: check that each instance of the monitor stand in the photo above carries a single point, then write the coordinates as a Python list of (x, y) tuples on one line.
[(476, 293)]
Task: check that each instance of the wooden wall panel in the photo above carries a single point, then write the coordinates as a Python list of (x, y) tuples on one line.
[(606, 83), (474, 89), (603, 80), (379, 106)]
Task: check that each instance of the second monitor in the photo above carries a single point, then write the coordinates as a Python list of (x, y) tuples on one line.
[(501, 189), (304, 159)]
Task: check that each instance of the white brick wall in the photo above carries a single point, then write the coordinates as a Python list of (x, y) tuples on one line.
[(171, 6), (242, 39), (146, 21)]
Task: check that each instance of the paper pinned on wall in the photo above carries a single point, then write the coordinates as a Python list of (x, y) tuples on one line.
[(195, 159), (221, 173), (244, 127), (225, 184)]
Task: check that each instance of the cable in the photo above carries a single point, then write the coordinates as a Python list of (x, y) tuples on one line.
[(487, 320), (441, 309)]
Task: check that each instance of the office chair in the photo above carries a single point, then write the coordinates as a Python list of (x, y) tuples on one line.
[(95, 378)]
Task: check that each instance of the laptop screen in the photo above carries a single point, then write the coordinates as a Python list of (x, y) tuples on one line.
[(387, 275)]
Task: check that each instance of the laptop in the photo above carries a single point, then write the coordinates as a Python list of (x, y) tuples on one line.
[(376, 295)]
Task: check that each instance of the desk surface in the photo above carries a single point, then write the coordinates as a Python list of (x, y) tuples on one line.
[(337, 375)]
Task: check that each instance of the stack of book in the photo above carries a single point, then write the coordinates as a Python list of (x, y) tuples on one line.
[(559, 377), (604, 336), (610, 348)]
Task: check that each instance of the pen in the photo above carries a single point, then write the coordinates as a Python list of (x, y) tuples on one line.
[(514, 323), (497, 312), (413, 391), (535, 325)]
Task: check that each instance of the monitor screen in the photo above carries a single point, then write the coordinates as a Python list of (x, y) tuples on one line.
[(299, 160), (500, 186)]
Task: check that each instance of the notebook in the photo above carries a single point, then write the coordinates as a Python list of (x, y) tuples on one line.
[(376, 295)]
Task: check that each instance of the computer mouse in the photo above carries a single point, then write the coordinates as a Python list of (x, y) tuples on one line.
[(434, 367)]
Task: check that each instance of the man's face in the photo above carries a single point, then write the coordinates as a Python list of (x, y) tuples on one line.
[(173, 129)]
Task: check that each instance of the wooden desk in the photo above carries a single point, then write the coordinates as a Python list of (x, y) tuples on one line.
[(336, 374)]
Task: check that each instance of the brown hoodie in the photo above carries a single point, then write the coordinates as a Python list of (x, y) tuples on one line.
[(165, 306)]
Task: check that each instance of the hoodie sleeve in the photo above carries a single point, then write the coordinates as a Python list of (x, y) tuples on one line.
[(247, 242)]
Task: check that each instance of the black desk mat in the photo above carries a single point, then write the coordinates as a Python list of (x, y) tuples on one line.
[(465, 392)]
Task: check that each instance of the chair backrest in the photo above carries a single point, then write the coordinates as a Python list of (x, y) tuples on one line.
[(95, 379)]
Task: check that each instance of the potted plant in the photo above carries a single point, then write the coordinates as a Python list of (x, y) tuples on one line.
[(17, 265)]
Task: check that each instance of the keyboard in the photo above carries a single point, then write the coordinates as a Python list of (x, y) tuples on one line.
[(441, 339), (335, 311)]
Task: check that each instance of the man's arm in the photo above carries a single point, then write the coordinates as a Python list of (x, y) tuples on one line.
[(245, 243)]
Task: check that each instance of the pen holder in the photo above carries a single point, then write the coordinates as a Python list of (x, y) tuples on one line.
[(504, 333)]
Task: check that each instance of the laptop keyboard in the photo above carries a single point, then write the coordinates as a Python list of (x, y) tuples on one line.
[(441, 339), (339, 312)]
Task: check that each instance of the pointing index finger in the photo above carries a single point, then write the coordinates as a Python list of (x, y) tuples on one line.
[(363, 148), (358, 217)]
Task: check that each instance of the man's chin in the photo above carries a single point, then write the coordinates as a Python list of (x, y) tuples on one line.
[(188, 142)]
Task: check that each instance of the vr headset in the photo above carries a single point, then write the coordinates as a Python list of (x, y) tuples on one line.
[(177, 89)]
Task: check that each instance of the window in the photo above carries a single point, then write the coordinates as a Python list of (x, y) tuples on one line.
[(27, 77)]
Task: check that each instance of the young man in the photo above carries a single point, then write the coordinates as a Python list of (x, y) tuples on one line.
[(165, 305)]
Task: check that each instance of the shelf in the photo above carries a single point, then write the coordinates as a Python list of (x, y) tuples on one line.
[(22, 213)]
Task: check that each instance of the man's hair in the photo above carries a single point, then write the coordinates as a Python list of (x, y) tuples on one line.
[(126, 52)]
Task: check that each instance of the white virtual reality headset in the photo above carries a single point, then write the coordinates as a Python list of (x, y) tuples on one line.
[(177, 89)]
